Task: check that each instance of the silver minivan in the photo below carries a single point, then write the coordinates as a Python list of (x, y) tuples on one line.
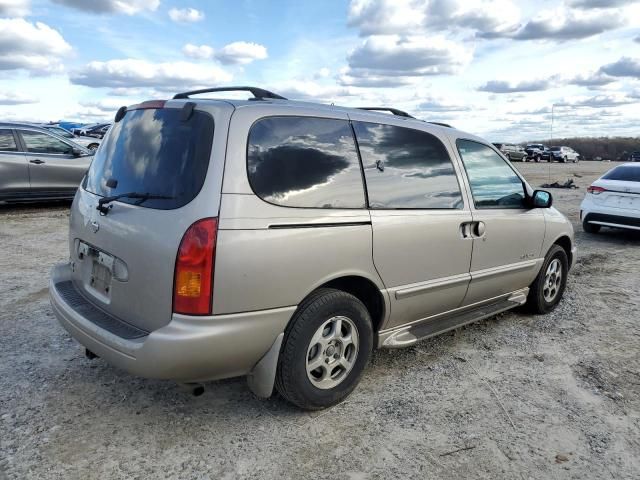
[(285, 241)]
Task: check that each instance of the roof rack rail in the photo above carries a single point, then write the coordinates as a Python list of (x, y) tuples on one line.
[(395, 111), (258, 93), (441, 124)]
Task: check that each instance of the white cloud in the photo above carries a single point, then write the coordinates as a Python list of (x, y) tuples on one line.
[(241, 53), (131, 73), (203, 52), (501, 86), (35, 47), (14, 8), (308, 90), (383, 17), (564, 24), (128, 7), (625, 67), (383, 60), (186, 15), (236, 53), (15, 98)]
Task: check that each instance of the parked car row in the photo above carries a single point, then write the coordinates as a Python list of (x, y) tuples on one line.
[(537, 152), (96, 130)]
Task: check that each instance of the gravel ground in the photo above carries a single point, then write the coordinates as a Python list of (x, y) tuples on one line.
[(515, 396)]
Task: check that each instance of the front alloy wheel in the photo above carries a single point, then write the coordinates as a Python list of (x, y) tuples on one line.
[(547, 289)]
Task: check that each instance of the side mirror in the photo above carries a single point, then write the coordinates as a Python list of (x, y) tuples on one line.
[(76, 152), (541, 199)]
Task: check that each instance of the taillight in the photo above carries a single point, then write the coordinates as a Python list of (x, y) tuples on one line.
[(596, 190), (193, 278)]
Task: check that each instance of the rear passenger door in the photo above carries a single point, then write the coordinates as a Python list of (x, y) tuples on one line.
[(508, 236), (53, 168), (418, 213), (14, 173)]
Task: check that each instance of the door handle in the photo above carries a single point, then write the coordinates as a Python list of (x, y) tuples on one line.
[(472, 229), (37, 161)]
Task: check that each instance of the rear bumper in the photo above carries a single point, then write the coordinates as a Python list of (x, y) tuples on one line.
[(188, 349), (606, 216)]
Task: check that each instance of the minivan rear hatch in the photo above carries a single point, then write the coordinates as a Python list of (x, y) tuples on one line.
[(149, 173)]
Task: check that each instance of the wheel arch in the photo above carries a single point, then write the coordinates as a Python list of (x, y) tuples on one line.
[(565, 242), (365, 290)]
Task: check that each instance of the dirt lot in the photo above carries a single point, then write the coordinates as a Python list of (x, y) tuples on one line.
[(516, 396)]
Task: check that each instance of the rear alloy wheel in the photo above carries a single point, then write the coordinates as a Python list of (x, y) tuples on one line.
[(325, 349), (548, 287), (590, 227), (538, 158), (93, 147), (564, 159)]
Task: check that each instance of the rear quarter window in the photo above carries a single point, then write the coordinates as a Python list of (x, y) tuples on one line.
[(305, 162), (154, 151), (624, 173)]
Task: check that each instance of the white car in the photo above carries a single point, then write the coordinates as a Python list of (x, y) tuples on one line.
[(92, 143), (613, 200)]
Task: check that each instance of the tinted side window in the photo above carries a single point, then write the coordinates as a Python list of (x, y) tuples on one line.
[(493, 183), (305, 162), (38, 142), (406, 168), (7, 142)]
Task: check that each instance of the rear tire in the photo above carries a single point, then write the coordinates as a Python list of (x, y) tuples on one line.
[(538, 158), (333, 330), (590, 227), (547, 289)]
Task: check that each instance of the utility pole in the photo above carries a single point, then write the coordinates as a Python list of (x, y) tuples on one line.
[(553, 106)]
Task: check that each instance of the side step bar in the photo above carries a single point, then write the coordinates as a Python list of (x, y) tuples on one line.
[(409, 334)]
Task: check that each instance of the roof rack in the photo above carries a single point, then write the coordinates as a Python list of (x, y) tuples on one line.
[(258, 93), (395, 111)]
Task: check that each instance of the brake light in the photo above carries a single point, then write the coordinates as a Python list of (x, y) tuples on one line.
[(148, 104), (193, 278), (596, 190)]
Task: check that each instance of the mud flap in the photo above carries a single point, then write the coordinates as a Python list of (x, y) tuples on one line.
[(263, 375)]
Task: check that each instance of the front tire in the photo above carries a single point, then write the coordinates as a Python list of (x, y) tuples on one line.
[(547, 289), (325, 349)]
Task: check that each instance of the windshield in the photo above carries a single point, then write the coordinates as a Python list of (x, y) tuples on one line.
[(61, 131), (153, 151), (625, 173)]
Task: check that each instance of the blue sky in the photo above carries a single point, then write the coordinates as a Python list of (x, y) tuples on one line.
[(492, 67)]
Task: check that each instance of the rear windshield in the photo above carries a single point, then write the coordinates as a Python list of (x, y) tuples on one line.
[(629, 174), (154, 152), (555, 149)]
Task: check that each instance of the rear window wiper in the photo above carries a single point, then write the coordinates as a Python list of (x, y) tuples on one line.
[(142, 197)]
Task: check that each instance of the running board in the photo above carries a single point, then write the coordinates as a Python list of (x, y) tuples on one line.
[(410, 334)]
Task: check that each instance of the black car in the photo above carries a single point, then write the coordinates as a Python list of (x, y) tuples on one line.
[(634, 157), (537, 152)]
